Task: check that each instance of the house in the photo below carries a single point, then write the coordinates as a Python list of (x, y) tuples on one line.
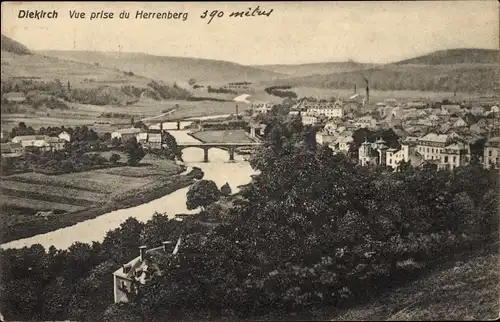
[(38, 141), (328, 109), (407, 153), (261, 107), (330, 127), (372, 153), (431, 145), (309, 119), (153, 141), (65, 136), (495, 109), (460, 122), (54, 144), (142, 136), (453, 156), (11, 148), (492, 153), (365, 122), (126, 134), (257, 130), (417, 105), (451, 108), (343, 142), (125, 278), (14, 97), (324, 138)]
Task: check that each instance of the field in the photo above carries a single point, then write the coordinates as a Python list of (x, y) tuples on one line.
[(222, 136), (25, 194), (85, 114), (204, 108), (79, 74)]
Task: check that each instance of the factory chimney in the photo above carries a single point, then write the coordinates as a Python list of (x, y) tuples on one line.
[(142, 250), (367, 92), (355, 89)]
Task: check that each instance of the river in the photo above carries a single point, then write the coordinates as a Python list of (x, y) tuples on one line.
[(219, 169)]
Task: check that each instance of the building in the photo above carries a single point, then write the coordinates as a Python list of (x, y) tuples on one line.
[(154, 141), (431, 145), (65, 136), (126, 134), (257, 130), (453, 156), (14, 97), (450, 109), (328, 109), (343, 142), (492, 153), (372, 153), (417, 105), (54, 144), (366, 122), (309, 119), (460, 122), (136, 270), (38, 141), (324, 138), (261, 107), (9, 149)]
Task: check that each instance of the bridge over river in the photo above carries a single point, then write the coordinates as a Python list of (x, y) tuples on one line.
[(230, 147)]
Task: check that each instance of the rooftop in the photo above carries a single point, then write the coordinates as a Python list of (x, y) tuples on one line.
[(129, 131), (433, 137), (30, 137)]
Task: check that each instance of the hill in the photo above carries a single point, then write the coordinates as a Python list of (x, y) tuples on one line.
[(473, 71), (456, 56), (12, 46), (76, 81), (298, 70), (167, 68)]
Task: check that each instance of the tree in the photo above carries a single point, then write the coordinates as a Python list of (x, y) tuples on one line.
[(114, 158), (169, 145), (135, 151), (201, 194), (225, 189), (116, 142), (192, 81), (139, 125)]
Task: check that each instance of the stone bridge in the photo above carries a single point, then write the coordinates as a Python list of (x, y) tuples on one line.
[(230, 147)]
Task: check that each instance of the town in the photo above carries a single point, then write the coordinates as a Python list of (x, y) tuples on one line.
[(444, 134)]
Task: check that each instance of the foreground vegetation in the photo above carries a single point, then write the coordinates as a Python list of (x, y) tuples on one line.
[(278, 249)]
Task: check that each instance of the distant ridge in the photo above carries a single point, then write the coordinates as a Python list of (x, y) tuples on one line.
[(12, 46), (462, 70), (170, 68), (297, 70), (455, 56)]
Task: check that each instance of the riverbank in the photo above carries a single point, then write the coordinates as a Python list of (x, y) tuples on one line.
[(128, 199)]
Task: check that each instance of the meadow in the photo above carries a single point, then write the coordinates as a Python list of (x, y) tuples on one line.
[(70, 194)]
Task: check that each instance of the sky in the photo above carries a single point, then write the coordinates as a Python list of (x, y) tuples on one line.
[(294, 32)]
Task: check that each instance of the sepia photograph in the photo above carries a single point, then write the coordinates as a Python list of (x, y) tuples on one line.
[(250, 161)]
